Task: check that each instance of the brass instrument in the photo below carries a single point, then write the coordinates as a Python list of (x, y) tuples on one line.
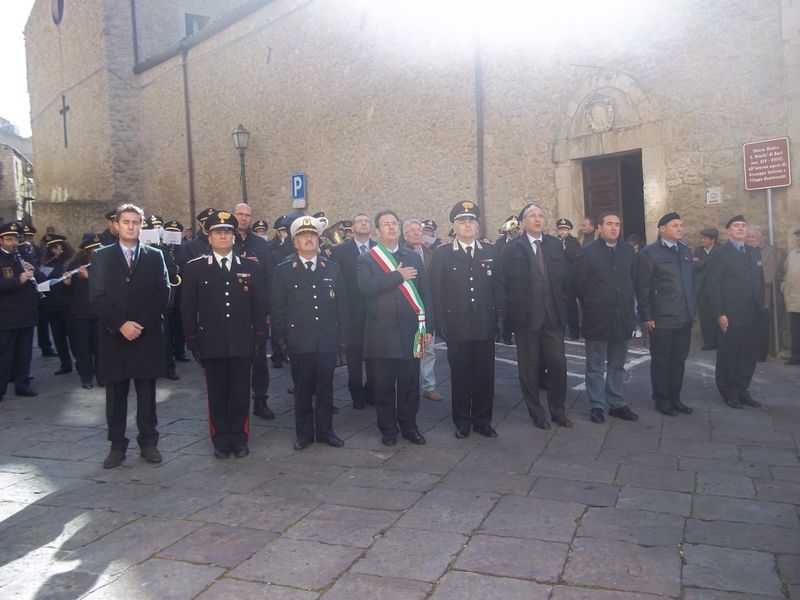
[(171, 249), (334, 233), (510, 226)]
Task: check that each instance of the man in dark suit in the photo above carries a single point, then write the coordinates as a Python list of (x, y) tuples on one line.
[(470, 306), (310, 317), (396, 331), (736, 293), (708, 324), (534, 269), (346, 254), (129, 291), (224, 317), (666, 300)]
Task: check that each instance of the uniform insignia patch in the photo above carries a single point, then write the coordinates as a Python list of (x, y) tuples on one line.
[(8, 273), (467, 205), (223, 216)]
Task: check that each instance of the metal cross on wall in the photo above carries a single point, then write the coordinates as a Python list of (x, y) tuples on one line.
[(63, 112)]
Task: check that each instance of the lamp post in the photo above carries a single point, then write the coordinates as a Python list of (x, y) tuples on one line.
[(241, 139)]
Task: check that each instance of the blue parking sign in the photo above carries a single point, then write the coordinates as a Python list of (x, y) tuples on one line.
[(298, 186)]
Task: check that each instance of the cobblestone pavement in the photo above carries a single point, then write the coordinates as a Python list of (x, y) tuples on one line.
[(692, 507)]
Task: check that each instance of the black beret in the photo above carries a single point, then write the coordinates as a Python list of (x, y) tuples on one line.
[(734, 219), (710, 232), (670, 216)]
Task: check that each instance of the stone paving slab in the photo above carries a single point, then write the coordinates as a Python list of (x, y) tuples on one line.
[(514, 557), (582, 492), (711, 508), (229, 589), (732, 570), (746, 536), (343, 525), (170, 580), (471, 586), (354, 586), (221, 545), (632, 525), (548, 520), (677, 503)]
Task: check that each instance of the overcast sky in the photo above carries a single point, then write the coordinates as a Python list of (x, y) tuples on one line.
[(14, 105)]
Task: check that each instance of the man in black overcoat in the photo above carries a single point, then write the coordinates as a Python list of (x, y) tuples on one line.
[(224, 317), (392, 333), (735, 282), (129, 291), (346, 254), (470, 306), (708, 323), (534, 268)]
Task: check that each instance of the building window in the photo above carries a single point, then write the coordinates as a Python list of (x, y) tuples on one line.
[(195, 23)]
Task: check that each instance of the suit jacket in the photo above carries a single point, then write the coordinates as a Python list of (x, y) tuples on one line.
[(664, 289), (223, 312), (522, 286), (467, 292), (346, 254), (391, 322), (310, 310), (118, 294), (735, 283)]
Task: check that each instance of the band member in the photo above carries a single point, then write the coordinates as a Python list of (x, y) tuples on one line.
[(280, 248), (310, 317), (82, 318), (393, 280), (198, 245), (346, 254), (666, 301), (470, 307), (129, 291), (57, 254), (224, 317), (534, 268), (736, 293), (172, 253), (18, 313), (261, 229), (109, 235)]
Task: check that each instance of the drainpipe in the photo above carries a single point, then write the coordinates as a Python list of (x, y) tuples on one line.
[(135, 34), (479, 100), (189, 157)]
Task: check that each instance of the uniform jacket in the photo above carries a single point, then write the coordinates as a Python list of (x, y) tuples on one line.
[(604, 284), (223, 312), (346, 254), (735, 283), (699, 269), (18, 301), (57, 299), (118, 294), (194, 248), (256, 251), (280, 250), (391, 322), (467, 292), (107, 238), (310, 309), (791, 281), (663, 282), (572, 248), (516, 268)]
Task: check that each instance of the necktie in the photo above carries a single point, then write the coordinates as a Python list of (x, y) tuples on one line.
[(224, 264), (539, 257), (309, 264), (129, 257), (742, 249), (362, 248), (469, 251)]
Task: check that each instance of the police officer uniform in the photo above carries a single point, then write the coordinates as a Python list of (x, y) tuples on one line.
[(56, 300), (280, 248), (431, 224), (172, 253), (469, 301), (198, 245), (310, 316), (223, 312), (82, 317), (107, 237), (572, 249), (18, 316), (260, 227)]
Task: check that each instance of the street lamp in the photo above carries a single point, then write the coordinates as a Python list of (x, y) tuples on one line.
[(241, 139)]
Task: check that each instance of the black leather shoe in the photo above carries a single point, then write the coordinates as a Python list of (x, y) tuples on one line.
[(87, 386), (682, 408), (221, 453), (596, 415), (746, 399), (183, 358), (541, 423), (332, 440), (63, 371), (626, 414), (241, 452), (301, 444), (389, 440), (260, 409), (151, 454), (30, 392), (562, 420), (114, 459), (733, 402), (415, 437), (461, 433), (486, 431), (667, 410)]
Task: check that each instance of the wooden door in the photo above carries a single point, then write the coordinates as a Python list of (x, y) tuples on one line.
[(602, 186)]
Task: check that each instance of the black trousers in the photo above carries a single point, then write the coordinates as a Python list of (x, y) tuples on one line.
[(117, 412), (176, 326), (668, 351), (472, 382), (396, 387), (794, 329), (360, 388), (58, 325), (43, 331), (278, 357), (708, 327), (228, 387), (573, 322), (313, 394), (762, 325), (543, 344), (260, 375), (83, 339), (736, 361), (168, 350), (16, 348)]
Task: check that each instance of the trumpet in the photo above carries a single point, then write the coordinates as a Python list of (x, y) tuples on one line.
[(510, 226)]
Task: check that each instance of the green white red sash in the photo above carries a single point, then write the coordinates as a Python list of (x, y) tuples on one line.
[(388, 263)]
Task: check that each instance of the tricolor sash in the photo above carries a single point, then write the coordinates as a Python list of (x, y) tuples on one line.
[(387, 262)]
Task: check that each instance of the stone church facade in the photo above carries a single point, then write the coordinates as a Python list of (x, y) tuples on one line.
[(649, 117)]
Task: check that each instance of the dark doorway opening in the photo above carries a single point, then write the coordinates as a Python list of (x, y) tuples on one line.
[(616, 182)]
